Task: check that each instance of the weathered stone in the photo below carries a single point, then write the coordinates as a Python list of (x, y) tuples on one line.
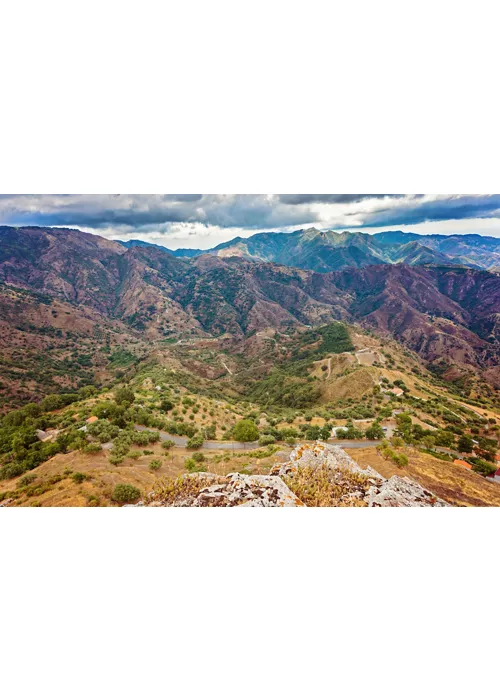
[(320, 455), (401, 492), (258, 491)]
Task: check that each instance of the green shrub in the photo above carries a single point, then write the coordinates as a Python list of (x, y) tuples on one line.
[(400, 459), (125, 493), (193, 466), (92, 448), (26, 480), (245, 431), (124, 395), (195, 442), (155, 464), (266, 440), (79, 478)]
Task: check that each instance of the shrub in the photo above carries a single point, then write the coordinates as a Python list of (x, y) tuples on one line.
[(400, 459), (26, 480), (134, 454), (209, 432), (245, 431), (166, 405), (465, 444), (124, 395), (198, 457), (195, 442), (168, 444), (266, 440), (92, 448), (480, 466), (155, 464), (375, 432), (79, 478), (125, 493)]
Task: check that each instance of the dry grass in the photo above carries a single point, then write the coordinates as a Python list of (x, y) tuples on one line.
[(55, 487), (454, 484), (172, 490), (323, 488)]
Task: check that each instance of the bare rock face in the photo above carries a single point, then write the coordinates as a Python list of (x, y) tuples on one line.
[(402, 492), (319, 455), (233, 490), (242, 490), (379, 492), (350, 484)]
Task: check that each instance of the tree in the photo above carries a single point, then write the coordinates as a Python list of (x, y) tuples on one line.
[(166, 405), (465, 444), (210, 432), (326, 432), (126, 493), (375, 432), (266, 439), (124, 395), (429, 441), (195, 442), (245, 431)]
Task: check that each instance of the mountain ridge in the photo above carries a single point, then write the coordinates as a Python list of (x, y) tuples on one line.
[(325, 251), (442, 312)]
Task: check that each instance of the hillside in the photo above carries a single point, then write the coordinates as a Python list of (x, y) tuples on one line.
[(326, 251), (448, 315)]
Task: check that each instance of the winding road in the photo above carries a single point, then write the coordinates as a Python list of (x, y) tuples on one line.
[(180, 441)]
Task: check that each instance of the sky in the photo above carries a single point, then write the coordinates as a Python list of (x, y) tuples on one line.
[(205, 220)]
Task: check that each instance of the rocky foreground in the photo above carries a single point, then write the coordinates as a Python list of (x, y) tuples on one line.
[(314, 475)]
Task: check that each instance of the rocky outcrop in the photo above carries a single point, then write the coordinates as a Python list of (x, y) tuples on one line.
[(402, 492), (233, 490), (319, 455), (374, 489), (350, 485)]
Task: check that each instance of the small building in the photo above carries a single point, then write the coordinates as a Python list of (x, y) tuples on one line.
[(462, 463)]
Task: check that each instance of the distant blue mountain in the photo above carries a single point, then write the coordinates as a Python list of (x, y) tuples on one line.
[(326, 251), (179, 253)]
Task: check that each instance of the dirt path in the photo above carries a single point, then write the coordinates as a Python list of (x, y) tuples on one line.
[(329, 367), (226, 367)]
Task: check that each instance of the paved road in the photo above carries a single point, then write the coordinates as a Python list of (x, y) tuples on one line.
[(180, 441)]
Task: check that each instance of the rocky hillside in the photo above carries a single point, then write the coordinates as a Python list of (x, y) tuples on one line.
[(442, 312), (318, 475)]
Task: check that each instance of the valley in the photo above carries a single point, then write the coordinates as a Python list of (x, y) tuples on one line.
[(131, 366)]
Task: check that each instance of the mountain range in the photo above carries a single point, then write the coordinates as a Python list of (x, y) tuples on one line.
[(326, 251), (445, 313)]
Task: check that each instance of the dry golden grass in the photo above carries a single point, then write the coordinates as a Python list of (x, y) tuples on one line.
[(322, 488), (454, 484), (172, 490), (102, 477)]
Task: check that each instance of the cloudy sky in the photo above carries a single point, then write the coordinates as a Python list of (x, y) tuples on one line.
[(204, 220)]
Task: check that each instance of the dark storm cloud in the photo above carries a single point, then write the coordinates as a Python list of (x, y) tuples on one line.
[(136, 211), (445, 209), (330, 198), (150, 212)]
